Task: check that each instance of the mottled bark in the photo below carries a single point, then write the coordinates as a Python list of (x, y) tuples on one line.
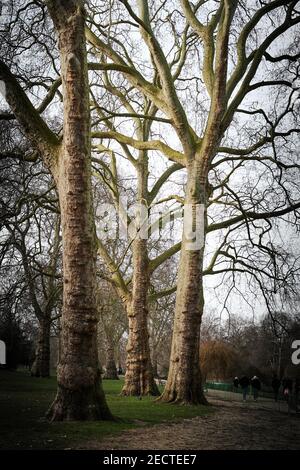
[(41, 364), (184, 383), (184, 378), (110, 366), (80, 395), (139, 378)]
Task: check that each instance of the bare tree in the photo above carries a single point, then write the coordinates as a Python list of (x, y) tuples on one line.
[(195, 73), (30, 238), (231, 44), (67, 157), (112, 326)]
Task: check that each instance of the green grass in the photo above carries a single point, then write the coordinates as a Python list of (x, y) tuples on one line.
[(24, 401)]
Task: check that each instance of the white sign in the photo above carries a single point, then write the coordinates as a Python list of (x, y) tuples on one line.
[(2, 88), (2, 352)]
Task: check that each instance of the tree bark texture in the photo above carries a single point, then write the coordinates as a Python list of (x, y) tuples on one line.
[(111, 368), (139, 378), (80, 395), (184, 379), (41, 364), (184, 383)]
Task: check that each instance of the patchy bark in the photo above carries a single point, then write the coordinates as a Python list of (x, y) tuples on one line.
[(111, 368), (184, 378), (41, 364), (80, 395), (139, 378)]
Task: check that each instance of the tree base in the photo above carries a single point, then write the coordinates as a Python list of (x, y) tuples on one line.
[(110, 377), (39, 374), (87, 404), (40, 369), (135, 390), (171, 396)]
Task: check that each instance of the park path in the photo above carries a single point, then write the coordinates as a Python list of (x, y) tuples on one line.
[(233, 425)]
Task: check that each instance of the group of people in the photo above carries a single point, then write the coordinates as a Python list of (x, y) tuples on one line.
[(288, 387), (244, 382)]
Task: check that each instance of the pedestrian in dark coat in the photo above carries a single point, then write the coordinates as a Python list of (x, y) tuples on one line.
[(244, 383), (287, 386), (256, 386), (236, 383)]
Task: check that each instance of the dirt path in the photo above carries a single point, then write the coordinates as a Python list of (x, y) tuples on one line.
[(234, 425)]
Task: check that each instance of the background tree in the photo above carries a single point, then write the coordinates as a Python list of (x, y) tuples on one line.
[(30, 241), (112, 326), (130, 266), (218, 360), (239, 347)]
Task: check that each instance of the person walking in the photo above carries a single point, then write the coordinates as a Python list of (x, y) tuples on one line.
[(287, 386), (236, 384), (244, 383), (276, 386), (256, 386)]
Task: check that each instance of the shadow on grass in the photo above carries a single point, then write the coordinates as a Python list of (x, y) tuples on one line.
[(24, 401)]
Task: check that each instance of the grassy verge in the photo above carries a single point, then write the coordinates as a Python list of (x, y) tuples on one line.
[(24, 401)]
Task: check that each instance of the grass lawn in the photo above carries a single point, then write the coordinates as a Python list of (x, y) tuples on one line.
[(24, 401)]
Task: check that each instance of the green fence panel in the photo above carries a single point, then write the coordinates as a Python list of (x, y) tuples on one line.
[(266, 392)]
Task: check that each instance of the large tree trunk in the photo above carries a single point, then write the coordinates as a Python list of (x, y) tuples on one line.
[(184, 384), (80, 395), (139, 378), (111, 368), (41, 364), (184, 379)]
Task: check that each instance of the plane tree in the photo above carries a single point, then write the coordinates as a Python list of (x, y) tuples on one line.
[(35, 27), (209, 69)]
